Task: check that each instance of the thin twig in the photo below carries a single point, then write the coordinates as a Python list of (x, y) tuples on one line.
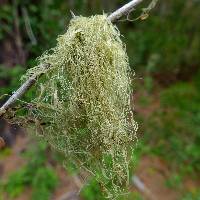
[(124, 10), (21, 91), (69, 195), (28, 26), (25, 86), (137, 182), (18, 37)]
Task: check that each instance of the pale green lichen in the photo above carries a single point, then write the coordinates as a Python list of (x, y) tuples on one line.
[(83, 101)]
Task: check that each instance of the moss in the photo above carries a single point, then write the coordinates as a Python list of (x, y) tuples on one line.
[(84, 101)]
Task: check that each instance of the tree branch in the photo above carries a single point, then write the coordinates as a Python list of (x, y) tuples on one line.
[(124, 10), (21, 91), (31, 81)]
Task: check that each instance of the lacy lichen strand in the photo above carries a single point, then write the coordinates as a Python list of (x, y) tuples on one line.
[(84, 100)]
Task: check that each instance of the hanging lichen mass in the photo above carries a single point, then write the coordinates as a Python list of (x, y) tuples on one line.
[(83, 100)]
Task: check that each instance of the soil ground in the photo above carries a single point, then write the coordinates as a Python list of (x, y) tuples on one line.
[(152, 171)]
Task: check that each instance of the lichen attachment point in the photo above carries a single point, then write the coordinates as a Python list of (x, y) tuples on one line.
[(83, 100)]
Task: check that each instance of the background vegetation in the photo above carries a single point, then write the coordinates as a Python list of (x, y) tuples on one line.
[(164, 51)]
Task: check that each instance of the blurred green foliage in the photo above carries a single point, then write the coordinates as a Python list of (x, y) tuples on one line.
[(173, 130), (10, 76), (175, 181), (195, 195), (36, 174), (92, 191), (171, 36), (6, 19)]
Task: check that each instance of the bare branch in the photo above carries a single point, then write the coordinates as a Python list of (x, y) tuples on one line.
[(123, 10), (21, 91), (137, 182), (17, 35), (28, 26), (26, 85)]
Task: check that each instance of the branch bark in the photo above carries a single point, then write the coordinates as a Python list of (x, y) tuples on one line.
[(21, 91), (124, 10), (26, 85)]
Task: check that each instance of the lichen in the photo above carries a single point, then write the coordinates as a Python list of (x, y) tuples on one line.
[(83, 101)]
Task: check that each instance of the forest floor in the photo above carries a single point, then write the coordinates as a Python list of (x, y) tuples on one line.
[(151, 170)]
